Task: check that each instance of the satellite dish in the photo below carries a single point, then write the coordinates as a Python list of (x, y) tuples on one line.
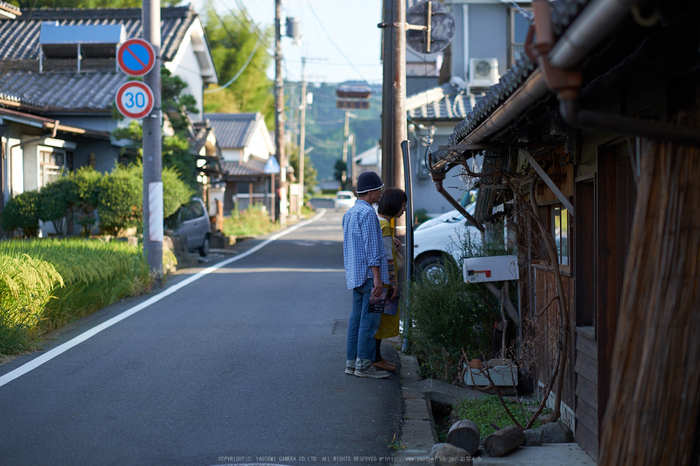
[(432, 19)]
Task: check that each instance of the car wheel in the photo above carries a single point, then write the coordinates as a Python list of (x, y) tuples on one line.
[(204, 248), (433, 268)]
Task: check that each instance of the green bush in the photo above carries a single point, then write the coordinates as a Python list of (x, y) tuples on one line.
[(250, 222), (22, 212), (87, 183), (120, 200), (450, 316), (56, 201), (420, 216), (175, 192)]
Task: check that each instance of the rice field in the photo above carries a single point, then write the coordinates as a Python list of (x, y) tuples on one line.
[(48, 283)]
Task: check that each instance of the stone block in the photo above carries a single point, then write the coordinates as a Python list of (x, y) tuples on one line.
[(447, 454)]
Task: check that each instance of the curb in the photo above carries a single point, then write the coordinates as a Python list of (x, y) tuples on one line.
[(418, 432)]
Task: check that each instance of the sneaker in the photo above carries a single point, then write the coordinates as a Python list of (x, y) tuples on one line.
[(371, 372), (350, 370)]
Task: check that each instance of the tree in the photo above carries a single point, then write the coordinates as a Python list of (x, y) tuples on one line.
[(239, 53), (176, 149), (310, 174)]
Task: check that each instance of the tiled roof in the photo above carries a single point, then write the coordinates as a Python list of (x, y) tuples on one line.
[(19, 38), (233, 130), (61, 90), (450, 107), (563, 14), (67, 90), (251, 168)]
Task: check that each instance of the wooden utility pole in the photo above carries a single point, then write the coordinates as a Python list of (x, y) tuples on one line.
[(279, 113), (394, 98), (302, 133), (153, 148)]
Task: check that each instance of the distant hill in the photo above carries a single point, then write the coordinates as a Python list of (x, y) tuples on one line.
[(324, 125)]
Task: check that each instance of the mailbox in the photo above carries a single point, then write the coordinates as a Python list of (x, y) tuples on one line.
[(491, 269)]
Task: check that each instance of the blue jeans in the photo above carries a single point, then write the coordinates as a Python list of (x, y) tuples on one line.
[(362, 328)]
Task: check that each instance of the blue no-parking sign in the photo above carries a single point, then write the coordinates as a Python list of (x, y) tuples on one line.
[(136, 57)]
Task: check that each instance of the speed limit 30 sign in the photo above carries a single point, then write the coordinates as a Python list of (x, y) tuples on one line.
[(135, 99)]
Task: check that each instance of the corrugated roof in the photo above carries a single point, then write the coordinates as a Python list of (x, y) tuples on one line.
[(19, 38), (233, 130)]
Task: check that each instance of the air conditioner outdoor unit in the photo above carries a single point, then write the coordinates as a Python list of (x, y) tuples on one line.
[(483, 72)]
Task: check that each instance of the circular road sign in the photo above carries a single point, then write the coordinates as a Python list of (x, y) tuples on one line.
[(442, 27), (135, 99), (136, 57)]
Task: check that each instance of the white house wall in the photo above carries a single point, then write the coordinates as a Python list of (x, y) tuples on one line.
[(230, 155), (187, 67), (258, 145)]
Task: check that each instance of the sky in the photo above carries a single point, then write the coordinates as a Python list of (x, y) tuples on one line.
[(341, 40)]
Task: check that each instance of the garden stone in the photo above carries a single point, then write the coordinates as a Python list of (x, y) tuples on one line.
[(447, 454), (465, 435), (556, 432), (533, 438)]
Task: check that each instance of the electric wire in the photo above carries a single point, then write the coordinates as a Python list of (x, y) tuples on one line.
[(231, 81)]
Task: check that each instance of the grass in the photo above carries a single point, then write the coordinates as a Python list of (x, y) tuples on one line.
[(250, 222), (89, 275), (488, 410)]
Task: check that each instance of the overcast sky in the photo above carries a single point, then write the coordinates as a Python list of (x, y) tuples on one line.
[(340, 37)]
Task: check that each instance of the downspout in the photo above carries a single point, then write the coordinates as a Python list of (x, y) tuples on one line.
[(556, 63), (438, 177)]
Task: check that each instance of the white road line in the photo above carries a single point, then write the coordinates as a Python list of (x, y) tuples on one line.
[(49, 355)]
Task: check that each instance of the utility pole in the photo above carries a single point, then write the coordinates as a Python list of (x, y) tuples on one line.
[(153, 148), (394, 98), (279, 113), (302, 132)]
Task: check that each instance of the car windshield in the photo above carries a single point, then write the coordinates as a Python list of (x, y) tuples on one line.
[(344, 196)]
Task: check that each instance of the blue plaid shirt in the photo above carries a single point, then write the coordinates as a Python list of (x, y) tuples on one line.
[(363, 246)]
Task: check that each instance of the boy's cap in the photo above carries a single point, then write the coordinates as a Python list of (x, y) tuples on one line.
[(368, 181)]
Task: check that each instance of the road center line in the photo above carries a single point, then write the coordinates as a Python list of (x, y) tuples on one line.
[(49, 355)]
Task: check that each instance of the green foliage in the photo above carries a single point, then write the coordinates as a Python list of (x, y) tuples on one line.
[(95, 274), (56, 201), (420, 216), (25, 289), (250, 222), (120, 200), (450, 316), (232, 41), (176, 152), (87, 182), (339, 170), (175, 191), (310, 180), (489, 410), (22, 211)]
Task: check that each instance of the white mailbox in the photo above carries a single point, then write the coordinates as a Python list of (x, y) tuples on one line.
[(491, 269)]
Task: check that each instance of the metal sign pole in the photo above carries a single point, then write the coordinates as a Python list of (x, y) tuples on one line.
[(152, 148)]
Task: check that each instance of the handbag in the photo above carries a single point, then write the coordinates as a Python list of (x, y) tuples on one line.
[(398, 261)]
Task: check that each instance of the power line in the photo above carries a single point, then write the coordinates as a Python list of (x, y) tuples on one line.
[(245, 65), (333, 42)]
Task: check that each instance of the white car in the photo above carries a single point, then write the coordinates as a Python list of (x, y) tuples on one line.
[(439, 240), (344, 200)]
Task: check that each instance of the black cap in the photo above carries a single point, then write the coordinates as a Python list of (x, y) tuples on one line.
[(368, 181)]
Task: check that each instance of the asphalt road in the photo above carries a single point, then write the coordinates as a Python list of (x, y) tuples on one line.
[(242, 366)]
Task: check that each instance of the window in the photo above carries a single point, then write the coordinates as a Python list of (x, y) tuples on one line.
[(51, 163), (560, 231)]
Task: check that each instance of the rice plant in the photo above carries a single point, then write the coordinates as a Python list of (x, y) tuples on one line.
[(94, 274)]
